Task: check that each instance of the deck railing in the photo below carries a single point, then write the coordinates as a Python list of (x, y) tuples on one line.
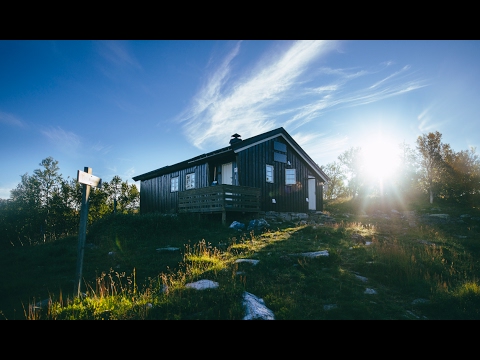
[(219, 198)]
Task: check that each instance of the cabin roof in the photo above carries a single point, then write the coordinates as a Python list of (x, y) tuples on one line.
[(234, 148)]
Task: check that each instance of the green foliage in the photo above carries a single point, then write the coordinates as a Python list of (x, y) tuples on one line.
[(420, 269), (430, 147), (427, 271), (336, 186), (44, 207), (351, 160)]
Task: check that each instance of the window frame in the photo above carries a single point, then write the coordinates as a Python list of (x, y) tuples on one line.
[(271, 178), (190, 181), (174, 182), (288, 177)]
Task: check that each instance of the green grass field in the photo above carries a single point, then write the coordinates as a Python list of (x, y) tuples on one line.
[(386, 261)]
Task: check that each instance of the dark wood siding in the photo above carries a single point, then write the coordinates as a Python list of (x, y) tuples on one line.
[(155, 194), (252, 172), (319, 191)]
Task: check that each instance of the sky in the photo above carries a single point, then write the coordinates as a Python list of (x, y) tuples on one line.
[(127, 107)]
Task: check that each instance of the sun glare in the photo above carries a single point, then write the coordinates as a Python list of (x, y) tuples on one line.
[(380, 157)]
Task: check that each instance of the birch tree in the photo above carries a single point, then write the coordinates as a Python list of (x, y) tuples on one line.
[(432, 164)]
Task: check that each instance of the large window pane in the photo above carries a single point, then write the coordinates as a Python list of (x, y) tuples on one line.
[(190, 181), (270, 173), (290, 177)]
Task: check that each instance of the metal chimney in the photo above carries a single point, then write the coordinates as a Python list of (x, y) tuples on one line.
[(235, 139)]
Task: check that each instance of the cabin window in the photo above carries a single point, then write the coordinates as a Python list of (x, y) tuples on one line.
[(270, 173), (190, 181), (290, 177), (174, 184), (279, 152)]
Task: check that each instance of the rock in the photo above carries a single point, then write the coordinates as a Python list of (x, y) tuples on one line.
[(260, 224), (358, 238), (419, 301), (255, 308), (168, 248), (313, 254), (361, 278), (237, 225), (441, 216), (251, 261), (202, 284)]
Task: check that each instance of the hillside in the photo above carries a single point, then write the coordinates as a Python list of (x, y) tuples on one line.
[(356, 260)]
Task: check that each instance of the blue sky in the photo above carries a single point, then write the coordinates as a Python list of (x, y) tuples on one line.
[(128, 107)]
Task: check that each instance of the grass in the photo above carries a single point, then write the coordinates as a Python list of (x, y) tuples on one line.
[(381, 264)]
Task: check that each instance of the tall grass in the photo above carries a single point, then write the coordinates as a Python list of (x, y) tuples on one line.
[(417, 272)]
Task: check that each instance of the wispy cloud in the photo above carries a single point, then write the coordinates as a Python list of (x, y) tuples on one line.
[(286, 90), (102, 149), (425, 120), (67, 141), (125, 174), (129, 173), (11, 120), (336, 97), (117, 53), (377, 84), (321, 146), (219, 109)]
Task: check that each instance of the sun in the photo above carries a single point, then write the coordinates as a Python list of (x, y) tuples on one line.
[(380, 157)]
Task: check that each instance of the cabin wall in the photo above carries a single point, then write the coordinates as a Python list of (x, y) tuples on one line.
[(319, 191), (155, 194), (252, 172)]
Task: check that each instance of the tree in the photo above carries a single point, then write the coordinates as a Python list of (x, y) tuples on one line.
[(32, 200), (49, 180), (114, 196), (432, 164), (336, 186), (65, 209), (25, 212), (351, 160), (462, 183), (45, 207), (408, 175)]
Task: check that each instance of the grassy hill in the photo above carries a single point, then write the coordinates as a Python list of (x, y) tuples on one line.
[(380, 260)]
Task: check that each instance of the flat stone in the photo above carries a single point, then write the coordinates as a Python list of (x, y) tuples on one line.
[(361, 278), (202, 284), (251, 261), (169, 248), (313, 254), (441, 216), (255, 308)]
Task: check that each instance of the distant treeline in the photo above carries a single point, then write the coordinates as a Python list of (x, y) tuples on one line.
[(45, 207), (432, 168)]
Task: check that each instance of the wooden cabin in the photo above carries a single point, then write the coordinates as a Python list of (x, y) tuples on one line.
[(267, 172)]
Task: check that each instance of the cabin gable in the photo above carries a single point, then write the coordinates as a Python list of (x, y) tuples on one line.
[(276, 157)]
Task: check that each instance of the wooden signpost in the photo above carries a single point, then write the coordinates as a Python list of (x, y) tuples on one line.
[(87, 179)]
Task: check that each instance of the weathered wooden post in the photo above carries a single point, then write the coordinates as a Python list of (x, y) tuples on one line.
[(87, 179)]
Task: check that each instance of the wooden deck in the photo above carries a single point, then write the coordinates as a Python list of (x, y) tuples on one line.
[(220, 198)]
